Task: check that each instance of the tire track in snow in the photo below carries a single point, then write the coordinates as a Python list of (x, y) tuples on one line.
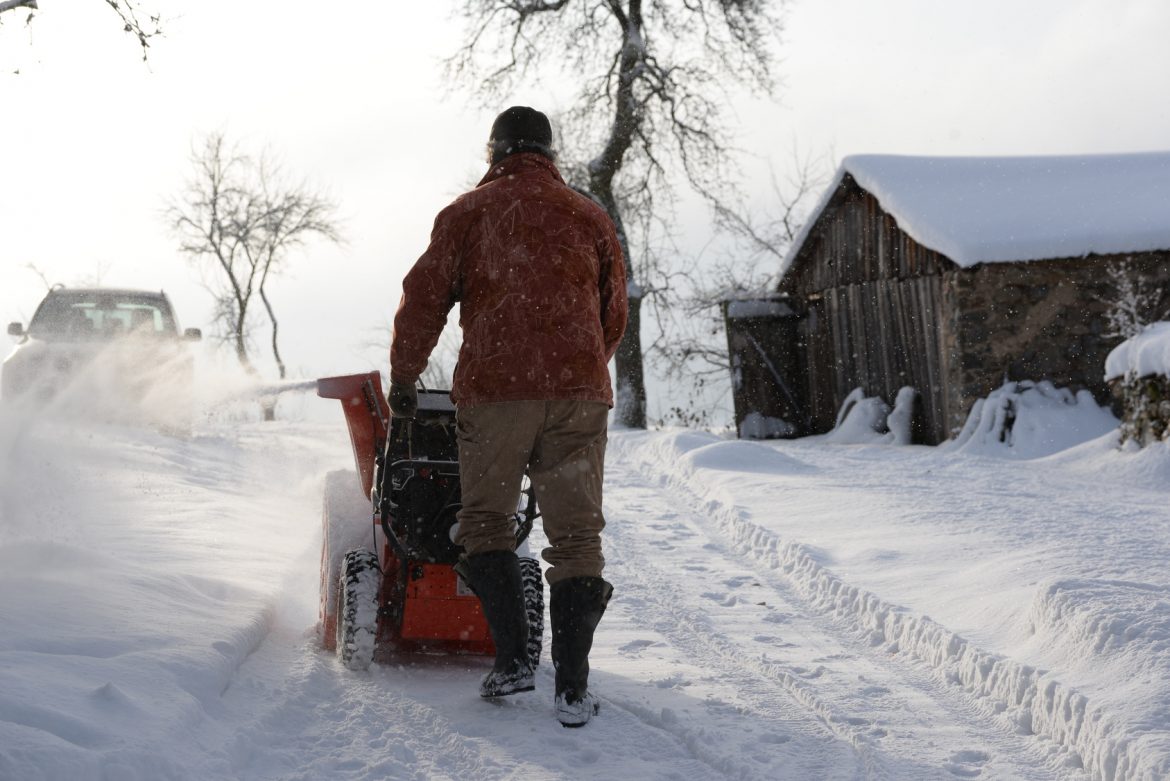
[(1039, 706), (931, 728), (912, 707), (692, 633)]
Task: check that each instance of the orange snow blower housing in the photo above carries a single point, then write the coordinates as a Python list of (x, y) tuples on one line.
[(388, 584)]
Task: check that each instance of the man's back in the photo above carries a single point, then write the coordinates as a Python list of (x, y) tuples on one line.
[(538, 272)]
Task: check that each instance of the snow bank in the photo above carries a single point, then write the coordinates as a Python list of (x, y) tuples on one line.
[(137, 572), (1145, 354), (1031, 420), (994, 209)]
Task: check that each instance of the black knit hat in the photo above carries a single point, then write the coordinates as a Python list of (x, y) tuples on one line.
[(520, 129)]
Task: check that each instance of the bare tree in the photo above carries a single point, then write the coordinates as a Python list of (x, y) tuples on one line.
[(692, 349), (291, 215), (654, 78), (127, 10), (241, 217)]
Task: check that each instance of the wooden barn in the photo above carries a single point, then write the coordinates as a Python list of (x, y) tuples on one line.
[(950, 275)]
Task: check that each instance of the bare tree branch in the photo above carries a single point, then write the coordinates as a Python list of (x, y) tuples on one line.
[(10, 5), (128, 12)]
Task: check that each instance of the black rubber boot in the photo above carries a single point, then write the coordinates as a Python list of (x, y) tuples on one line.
[(575, 606), (495, 578)]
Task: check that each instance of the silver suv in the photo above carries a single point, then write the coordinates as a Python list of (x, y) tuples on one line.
[(101, 338)]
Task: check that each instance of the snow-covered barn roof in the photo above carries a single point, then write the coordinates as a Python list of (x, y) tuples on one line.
[(996, 209)]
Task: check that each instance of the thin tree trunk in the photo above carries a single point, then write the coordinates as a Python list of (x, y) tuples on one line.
[(242, 346), (268, 403), (275, 328)]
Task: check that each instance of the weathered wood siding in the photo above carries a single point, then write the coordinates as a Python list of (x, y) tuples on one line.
[(878, 314), (768, 374)]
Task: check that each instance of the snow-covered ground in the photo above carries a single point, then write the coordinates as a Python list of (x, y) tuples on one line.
[(783, 610)]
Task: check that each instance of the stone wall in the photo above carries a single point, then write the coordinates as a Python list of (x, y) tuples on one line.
[(1145, 403), (1040, 320)]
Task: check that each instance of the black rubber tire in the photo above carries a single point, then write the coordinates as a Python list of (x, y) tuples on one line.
[(357, 618), (345, 526), (533, 581)]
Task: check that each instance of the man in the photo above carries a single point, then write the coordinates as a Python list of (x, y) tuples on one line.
[(538, 272)]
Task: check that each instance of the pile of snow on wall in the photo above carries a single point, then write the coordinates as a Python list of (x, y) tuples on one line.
[(1140, 369)]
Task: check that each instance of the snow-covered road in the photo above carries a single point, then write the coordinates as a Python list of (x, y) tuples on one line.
[(783, 611)]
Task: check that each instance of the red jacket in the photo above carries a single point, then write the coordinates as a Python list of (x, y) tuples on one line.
[(537, 270)]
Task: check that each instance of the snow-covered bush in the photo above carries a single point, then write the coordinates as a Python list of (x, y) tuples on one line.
[(1132, 302), (1139, 370), (1031, 420), (867, 420)]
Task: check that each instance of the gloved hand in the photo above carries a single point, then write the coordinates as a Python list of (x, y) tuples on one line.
[(403, 400)]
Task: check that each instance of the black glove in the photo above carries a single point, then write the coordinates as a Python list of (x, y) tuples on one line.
[(403, 400)]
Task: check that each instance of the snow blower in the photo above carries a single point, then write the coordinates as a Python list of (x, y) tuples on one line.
[(388, 584)]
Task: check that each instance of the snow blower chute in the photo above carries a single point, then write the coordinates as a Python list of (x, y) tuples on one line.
[(388, 584)]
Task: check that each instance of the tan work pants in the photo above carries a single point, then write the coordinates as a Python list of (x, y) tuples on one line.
[(562, 445)]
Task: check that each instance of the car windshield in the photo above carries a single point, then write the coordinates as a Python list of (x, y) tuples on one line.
[(100, 315)]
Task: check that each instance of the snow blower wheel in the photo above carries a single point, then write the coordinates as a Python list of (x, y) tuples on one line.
[(345, 527), (533, 606), (357, 615)]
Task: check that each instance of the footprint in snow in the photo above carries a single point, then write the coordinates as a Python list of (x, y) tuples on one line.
[(635, 646), (778, 618), (810, 674), (675, 681), (874, 691), (967, 764), (722, 599)]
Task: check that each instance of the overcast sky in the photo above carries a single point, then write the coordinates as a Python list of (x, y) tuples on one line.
[(350, 96)]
